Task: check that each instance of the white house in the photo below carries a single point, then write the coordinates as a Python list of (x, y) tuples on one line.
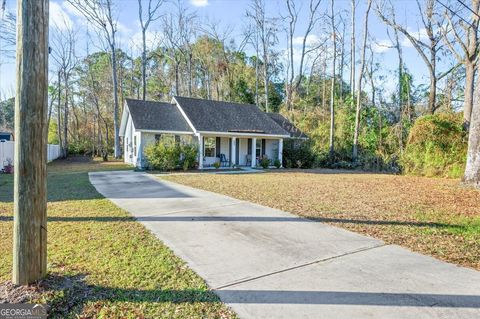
[(225, 131)]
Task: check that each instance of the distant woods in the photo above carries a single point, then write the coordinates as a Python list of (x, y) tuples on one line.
[(316, 61)]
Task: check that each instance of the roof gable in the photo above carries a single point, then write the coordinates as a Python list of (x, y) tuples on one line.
[(218, 116), (156, 116)]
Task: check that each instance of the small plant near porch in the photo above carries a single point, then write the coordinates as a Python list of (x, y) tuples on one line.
[(264, 161)]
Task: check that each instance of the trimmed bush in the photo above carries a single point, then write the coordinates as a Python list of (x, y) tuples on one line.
[(167, 155), (436, 146), (264, 161)]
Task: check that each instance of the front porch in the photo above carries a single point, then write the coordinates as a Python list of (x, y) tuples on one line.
[(237, 151)]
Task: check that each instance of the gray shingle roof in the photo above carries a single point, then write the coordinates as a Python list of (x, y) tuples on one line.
[(287, 125), (149, 115), (217, 116)]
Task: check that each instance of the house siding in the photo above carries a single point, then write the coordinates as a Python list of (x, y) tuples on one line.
[(128, 142), (243, 150), (271, 149)]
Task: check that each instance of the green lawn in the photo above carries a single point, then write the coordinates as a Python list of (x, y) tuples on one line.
[(102, 263)]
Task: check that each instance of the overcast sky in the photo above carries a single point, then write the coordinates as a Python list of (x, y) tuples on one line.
[(231, 14)]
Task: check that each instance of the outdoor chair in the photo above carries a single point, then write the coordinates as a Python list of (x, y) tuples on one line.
[(223, 160), (248, 160)]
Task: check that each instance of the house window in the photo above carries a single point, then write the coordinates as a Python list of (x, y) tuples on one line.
[(209, 147), (135, 145), (165, 138), (258, 146)]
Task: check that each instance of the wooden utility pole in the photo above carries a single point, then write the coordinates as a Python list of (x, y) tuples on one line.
[(30, 197)]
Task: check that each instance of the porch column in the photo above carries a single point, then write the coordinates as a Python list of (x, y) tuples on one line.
[(200, 151), (254, 152), (280, 151), (234, 151)]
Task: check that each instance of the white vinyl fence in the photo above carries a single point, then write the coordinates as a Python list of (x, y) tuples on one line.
[(7, 153)]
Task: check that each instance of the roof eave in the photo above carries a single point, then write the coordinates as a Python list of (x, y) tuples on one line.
[(244, 134)]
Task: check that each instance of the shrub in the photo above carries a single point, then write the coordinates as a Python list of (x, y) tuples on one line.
[(189, 155), (167, 155), (436, 146), (217, 164), (298, 155), (264, 161), (277, 163)]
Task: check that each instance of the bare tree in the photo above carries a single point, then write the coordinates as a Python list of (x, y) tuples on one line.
[(313, 18), (359, 83), (265, 31), (472, 168), (7, 35), (342, 57), (332, 88), (172, 42), (398, 47), (465, 35), (31, 103), (178, 30), (151, 16), (63, 53), (428, 51), (100, 13)]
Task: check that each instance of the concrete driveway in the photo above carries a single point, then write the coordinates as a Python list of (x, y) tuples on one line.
[(266, 263)]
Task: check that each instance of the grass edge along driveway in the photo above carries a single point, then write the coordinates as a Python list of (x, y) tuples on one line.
[(101, 262), (433, 216)]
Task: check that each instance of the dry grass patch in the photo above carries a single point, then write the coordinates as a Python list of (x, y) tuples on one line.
[(433, 216)]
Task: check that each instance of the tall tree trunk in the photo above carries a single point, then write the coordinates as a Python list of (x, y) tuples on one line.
[(144, 64), (291, 24), (432, 94), (332, 88), (398, 47), (265, 77), (59, 103), (352, 54), (190, 78), (31, 103), (177, 79), (256, 78), (342, 61), (472, 169), (116, 141), (359, 85), (468, 92), (324, 85), (65, 120)]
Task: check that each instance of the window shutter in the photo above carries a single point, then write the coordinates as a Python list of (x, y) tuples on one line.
[(249, 150), (217, 146), (237, 152), (263, 147)]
